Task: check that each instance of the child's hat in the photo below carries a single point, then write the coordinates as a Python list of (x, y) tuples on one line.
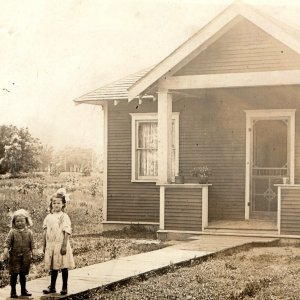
[(22, 213)]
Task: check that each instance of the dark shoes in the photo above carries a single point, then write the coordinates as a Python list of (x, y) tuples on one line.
[(13, 295), (25, 293), (49, 290), (64, 292)]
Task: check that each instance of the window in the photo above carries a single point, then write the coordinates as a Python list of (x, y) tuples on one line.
[(145, 146)]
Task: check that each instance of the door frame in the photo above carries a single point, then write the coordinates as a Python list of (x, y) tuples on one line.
[(268, 114)]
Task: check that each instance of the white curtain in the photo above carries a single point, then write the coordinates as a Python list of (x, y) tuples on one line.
[(147, 148)]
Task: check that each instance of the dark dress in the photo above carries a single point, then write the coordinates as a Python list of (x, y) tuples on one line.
[(20, 245)]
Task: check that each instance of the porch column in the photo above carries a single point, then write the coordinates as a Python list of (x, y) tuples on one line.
[(164, 137)]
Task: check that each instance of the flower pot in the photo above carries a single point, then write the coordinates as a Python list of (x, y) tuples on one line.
[(285, 180), (179, 179), (203, 179)]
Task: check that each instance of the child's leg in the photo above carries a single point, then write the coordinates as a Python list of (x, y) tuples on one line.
[(53, 279), (13, 283), (24, 291), (65, 275), (51, 288)]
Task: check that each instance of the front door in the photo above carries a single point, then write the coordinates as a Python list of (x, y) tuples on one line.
[(269, 164), (270, 156)]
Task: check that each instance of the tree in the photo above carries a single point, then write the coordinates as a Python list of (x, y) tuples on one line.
[(18, 150), (46, 157), (75, 159)]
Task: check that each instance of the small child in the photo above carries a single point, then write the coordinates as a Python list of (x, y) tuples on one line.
[(18, 249), (57, 249)]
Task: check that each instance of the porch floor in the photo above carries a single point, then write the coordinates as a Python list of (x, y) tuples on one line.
[(243, 225)]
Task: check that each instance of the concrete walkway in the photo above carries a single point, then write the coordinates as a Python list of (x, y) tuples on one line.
[(110, 272)]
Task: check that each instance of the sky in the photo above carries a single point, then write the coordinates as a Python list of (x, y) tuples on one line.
[(55, 51)]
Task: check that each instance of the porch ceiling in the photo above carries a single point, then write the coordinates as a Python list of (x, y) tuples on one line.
[(288, 92)]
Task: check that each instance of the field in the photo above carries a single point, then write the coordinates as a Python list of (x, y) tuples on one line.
[(262, 273), (89, 244)]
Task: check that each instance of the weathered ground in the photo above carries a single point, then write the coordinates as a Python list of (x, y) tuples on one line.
[(258, 273)]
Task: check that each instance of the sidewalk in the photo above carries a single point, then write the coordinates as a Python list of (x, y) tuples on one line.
[(103, 274)]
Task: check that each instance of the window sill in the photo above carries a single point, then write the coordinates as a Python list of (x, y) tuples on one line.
[(184, 185), (144, 180)]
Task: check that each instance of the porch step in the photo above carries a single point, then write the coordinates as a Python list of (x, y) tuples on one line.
[(241, 232)]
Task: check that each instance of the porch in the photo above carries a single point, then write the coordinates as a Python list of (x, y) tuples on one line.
[(195, 216)]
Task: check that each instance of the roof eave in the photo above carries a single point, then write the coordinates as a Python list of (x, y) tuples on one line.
[(203, 35)]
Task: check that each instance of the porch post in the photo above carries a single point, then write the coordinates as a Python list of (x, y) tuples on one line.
[(104, 188), (162, 208), (279, 209), (204, 207), (164, 137)]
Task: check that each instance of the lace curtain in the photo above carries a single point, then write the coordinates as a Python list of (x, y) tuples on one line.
[(147, 146)]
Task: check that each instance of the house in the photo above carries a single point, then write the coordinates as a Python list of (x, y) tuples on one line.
[(228, 98)]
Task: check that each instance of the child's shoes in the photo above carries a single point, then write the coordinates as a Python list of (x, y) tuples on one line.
[(49, 290), (25, 293), (64, 292)]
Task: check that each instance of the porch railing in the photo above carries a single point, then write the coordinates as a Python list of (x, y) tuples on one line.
[(183, 207)]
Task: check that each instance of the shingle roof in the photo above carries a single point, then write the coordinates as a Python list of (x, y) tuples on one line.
[(117, 90)]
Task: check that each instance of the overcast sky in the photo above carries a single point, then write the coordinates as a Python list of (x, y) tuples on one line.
[(54, 51)]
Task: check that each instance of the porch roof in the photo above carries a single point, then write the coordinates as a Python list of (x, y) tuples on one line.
[(117, 90)]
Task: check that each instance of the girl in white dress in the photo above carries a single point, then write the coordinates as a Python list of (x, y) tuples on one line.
[(56, 246)]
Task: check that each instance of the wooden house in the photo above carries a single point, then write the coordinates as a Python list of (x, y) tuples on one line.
[(228, 98)]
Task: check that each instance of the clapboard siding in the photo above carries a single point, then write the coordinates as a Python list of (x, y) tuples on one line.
[(244, 48), (183, 209), (127, 201), (212, 132), (290, 211)]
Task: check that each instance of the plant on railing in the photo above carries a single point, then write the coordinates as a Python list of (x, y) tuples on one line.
[(202, 173)]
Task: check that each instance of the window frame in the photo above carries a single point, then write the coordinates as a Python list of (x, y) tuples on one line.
[(151, 117)]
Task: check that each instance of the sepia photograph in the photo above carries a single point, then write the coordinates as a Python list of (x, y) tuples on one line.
[(150, 149)]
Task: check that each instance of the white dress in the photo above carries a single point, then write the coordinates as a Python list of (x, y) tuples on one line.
[(55, 225)]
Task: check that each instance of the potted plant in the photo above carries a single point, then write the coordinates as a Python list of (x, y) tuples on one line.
[(179, 178), (202, 173)]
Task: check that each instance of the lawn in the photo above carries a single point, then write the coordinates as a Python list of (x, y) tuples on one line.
[(259, 273)]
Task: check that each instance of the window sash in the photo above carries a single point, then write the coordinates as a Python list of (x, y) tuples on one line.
[(145, 147)]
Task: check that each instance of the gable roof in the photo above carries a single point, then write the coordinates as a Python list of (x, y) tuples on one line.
[(208, 34), (137, 86)]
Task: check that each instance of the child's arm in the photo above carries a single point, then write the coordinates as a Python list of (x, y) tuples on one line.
[(32, 247), (5, 253), (63, 249), (8, 245), (44, 240)]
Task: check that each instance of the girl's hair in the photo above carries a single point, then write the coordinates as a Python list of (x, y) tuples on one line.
[(21, 213), (61, 194)]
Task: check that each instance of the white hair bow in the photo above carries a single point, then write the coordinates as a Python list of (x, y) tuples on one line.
[(63, 192)]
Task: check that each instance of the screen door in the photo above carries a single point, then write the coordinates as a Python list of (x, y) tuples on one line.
[(269, 165)]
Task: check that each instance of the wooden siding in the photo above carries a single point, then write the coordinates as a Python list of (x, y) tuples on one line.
[(212, 131), (244, 48), (290, 211), (183, 209), (127, 201)]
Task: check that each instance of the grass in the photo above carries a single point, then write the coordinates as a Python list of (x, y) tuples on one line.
[(259, 273), (93, 249), (89, 244)]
